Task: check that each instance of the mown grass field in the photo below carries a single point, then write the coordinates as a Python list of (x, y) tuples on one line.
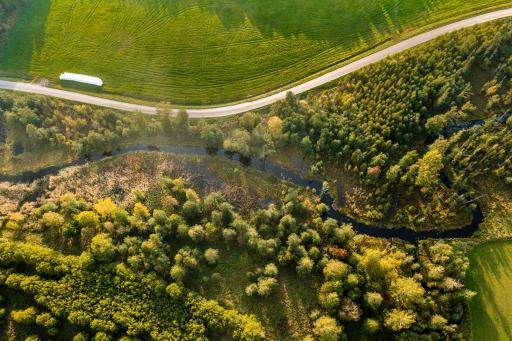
[(206, 51), (491, 277)]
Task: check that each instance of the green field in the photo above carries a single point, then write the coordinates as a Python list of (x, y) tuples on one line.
[(206, 51), (491, 278)]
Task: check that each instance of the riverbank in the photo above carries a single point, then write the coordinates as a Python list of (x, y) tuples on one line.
[(278, 171)]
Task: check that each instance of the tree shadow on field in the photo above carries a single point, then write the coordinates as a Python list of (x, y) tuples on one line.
[(330, 20), (25, 38)]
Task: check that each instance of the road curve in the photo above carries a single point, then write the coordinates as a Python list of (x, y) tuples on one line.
[(267, 100)]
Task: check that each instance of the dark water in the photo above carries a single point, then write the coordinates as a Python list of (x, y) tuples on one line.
[(278, 171), (454, 128)]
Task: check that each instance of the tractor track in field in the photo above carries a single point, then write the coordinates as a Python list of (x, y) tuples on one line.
[(265, 100)]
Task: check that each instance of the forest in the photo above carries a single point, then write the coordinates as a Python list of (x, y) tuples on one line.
[(384, 126), (136, 276)]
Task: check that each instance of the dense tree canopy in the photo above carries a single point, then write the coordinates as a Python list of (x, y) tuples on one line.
[(140, 262), (376, 124)]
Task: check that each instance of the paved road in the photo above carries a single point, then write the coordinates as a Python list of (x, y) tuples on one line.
[(264, 101)]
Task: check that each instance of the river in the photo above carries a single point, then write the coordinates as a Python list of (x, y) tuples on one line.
[(403, 233)]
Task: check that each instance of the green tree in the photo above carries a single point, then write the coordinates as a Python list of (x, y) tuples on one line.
[(266, 286), (335, 270), (182, 121), (373, 299), (249, 120), (326, 328), (329, 300), (197, 233), (275, 127), (239, 142), (429, 167), (212, 256), (27, 316), (87, 219), (102, 248), (371, 326), (178, 273), (52, 220), (106, 208), (305, 266), (398, 320), (212, 137), (191, 211), (406, 292), (164, 112)]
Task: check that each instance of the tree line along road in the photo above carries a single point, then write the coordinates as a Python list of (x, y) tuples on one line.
[(248, 105)]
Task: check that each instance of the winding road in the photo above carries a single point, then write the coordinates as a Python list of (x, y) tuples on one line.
[(266, 100)]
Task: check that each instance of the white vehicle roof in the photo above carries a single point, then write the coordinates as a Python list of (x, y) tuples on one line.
[(76, 77)]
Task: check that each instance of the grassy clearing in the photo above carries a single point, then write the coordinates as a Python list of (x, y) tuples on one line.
[(490, 277), (207, 51), (285, 314), (34, 160)]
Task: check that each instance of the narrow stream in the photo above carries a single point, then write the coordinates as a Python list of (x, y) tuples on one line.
[(278, 171)]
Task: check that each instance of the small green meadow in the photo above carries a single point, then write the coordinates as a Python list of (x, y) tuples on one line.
[(491, 277)]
